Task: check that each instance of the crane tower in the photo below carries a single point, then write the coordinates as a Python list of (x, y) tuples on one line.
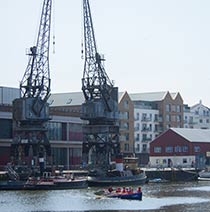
[(30, 145), (100, 109)]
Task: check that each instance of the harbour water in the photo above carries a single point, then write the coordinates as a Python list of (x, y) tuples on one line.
[(179, 197)]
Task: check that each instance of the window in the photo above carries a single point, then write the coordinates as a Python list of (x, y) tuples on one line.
[(126, 147), (169, 149), (144, 117), (178, 108), (127, 137), (138, 148), (157, 149), (185, 149), (197, 148), (178, 149), (126, 104), (156, 117), (150, 117), (156, 128), (144, 127), (178, 118), (150, 127), (191, 120), (137, 116), (168, 118), (168, 108), (125, 126), (168, 126), (126, 115), (137, 127), (184, 160), (137, 137), (144, 148), (144, 137), (55, 130)]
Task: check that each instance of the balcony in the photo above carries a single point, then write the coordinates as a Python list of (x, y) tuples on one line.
[(146, 129), (146, 139), (145, 119)]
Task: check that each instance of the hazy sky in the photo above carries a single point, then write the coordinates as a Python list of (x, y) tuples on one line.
[(149, 45)]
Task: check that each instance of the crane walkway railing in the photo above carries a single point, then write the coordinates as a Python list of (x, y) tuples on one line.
[(12, 173)]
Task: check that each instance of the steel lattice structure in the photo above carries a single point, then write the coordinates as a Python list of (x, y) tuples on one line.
[(31, 111), (36, 80), (101, 134)]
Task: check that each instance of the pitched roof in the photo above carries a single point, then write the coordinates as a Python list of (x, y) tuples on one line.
[(193, 135), (66, 99), (77, 98), (151, 96), (71, 98), (199, 105)]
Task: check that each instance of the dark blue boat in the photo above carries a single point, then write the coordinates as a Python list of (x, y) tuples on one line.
[(124, 194)]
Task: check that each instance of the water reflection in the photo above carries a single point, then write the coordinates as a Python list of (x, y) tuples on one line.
[(170, 197)]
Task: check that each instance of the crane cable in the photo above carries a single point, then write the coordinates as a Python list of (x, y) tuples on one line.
[(53, 26), (82, 32)]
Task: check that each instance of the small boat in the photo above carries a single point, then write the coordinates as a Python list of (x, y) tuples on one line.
[(124, 193)]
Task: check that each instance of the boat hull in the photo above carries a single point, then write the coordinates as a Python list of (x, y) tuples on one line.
[(133, 196), (12, 185), (172, 174), (117, 181), (57, 185)]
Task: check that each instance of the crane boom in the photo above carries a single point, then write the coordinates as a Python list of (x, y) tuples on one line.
[(95, 83), (36, 80)]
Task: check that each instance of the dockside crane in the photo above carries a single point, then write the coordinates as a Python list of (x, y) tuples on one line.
[(100, 109), (30, 145)]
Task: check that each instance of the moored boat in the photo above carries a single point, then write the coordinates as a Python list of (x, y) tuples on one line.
[(56, 183), (115, 178), (45, 183), (126, 173)]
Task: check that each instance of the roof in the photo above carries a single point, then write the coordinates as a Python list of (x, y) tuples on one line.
[(151, 96), (196, 106), (70, 99), (77, 98), (66, 99), (193, 135)]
